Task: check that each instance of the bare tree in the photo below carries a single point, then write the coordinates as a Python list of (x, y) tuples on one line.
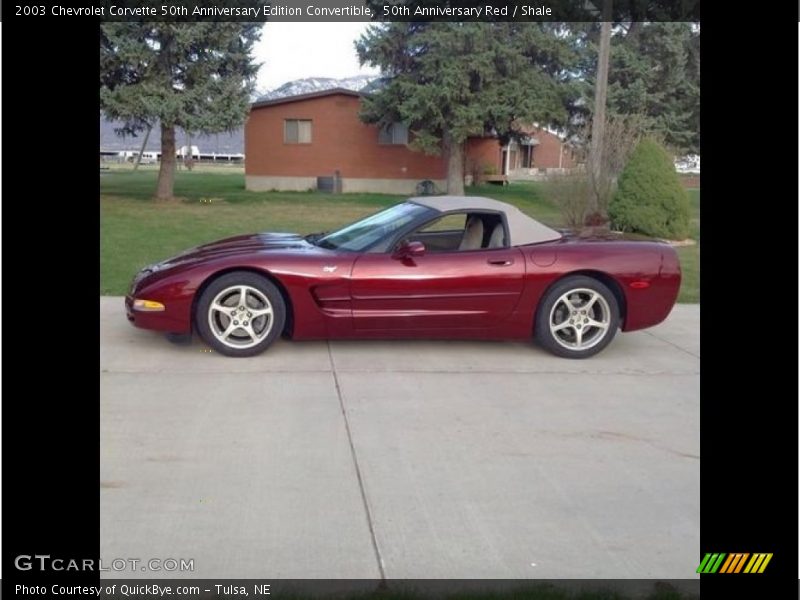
[(583, 194), (621, 135), (569, 191)]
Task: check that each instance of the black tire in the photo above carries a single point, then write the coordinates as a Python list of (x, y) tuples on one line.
[(246, 335), (571, 324), (179, 339)]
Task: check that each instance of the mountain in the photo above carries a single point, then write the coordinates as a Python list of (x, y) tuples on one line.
[(222, 143), (317, 84), (232, 142)]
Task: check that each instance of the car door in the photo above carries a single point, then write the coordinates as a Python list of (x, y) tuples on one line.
[(437, 291)]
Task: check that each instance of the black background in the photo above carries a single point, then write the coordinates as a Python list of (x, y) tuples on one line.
[(50, 242)]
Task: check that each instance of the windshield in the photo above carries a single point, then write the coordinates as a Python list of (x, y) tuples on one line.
[(367, 232)]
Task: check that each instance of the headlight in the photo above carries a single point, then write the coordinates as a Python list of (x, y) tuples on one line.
[(148, 270), (148, 305)]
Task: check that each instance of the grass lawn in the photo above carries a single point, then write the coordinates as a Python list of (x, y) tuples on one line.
[(690, 255), (136, 231)]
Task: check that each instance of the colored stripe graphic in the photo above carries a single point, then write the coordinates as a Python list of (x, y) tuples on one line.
[(711, 562), (716, 565), (721, 562), (703, 563), (741, 562), (734, 563), (758, 563)]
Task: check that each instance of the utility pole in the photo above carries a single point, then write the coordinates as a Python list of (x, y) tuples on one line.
[(599, 119), (141, 150)]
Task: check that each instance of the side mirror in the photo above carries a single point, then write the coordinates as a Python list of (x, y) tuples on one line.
[(409, 250)]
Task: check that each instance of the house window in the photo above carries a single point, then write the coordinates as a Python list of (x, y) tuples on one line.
[(394, 133), (297, 131), (527, 156)]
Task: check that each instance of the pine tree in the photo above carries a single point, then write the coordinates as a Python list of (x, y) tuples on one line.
[(654, 73), (448, 81), (198, 76)]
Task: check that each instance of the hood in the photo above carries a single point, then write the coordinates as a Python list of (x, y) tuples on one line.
[(252, 242), (240, 244)]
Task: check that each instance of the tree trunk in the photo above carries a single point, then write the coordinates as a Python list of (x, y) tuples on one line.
[(454, 151), (141, 150), (599, 118), (166, 174)]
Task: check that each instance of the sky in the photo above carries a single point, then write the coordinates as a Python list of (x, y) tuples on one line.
[(296, 50)]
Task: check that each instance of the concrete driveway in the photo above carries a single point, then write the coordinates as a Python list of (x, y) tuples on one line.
[(402, 459)]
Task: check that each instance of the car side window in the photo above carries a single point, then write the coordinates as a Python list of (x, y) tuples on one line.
[(454, 222), (459, 232)]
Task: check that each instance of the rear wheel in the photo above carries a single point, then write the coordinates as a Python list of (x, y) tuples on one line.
[(577, 318), (240, 314)]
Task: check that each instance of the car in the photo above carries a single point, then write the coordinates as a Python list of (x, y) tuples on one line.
[(452, 267), (688, 164)]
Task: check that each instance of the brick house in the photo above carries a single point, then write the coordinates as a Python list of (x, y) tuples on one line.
[(291, 141)]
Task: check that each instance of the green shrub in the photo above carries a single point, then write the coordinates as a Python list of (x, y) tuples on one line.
[(650, 198)]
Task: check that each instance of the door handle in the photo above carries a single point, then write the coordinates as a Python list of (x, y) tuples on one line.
[(501, 262)]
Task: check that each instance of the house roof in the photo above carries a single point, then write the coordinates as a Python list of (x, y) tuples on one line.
[(522, 229), (309, 96), (347, 92)]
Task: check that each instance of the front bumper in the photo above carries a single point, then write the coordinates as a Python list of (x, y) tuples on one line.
[(158, 321)]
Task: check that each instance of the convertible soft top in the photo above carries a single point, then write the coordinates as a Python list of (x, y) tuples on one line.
[(522, 229)]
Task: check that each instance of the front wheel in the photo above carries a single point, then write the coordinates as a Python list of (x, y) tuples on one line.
[(240, 314), (577, 318)]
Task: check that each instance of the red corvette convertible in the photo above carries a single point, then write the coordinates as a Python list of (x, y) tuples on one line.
[(430, 267)]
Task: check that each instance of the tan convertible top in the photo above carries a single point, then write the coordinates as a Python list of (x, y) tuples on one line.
[(522, 229)]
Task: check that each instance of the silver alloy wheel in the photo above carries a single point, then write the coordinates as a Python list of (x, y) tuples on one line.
[(240, 316), (580, 319)]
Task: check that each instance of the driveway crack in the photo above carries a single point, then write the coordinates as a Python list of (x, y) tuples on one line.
[(359, 477), (674, 345)]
